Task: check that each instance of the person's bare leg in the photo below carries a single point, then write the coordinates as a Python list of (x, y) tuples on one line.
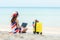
[(24, 30)]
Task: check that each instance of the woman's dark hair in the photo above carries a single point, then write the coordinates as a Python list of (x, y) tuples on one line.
[(16, 13), (14, 18)]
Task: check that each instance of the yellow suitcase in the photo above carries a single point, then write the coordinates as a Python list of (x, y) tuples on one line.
[(38, 28)]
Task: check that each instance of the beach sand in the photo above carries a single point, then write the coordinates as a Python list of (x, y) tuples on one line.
[(26, 36)]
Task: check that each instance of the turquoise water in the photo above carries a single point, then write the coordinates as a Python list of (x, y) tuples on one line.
[(49, 16)]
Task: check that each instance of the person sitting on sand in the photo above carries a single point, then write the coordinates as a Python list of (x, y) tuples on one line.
[(15, 24)]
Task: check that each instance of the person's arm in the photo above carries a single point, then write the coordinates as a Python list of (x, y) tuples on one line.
[(17, 23)]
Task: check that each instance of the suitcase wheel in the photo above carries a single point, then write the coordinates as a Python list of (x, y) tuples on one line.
[(34, 32), (37, 32), (41, 33)]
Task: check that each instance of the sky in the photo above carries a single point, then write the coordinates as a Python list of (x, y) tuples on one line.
[(46, 11), (29, 3)]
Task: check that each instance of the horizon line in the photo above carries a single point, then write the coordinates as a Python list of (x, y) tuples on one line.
[(29, 7)]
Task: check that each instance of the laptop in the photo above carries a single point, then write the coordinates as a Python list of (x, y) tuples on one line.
[(24, 25)]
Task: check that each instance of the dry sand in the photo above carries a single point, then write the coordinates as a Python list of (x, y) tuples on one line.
[(26, 36)]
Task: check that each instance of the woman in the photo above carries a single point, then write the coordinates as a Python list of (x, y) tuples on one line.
[(15, 24)]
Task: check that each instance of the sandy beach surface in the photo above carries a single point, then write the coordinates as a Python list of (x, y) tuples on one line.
[(27, 36)]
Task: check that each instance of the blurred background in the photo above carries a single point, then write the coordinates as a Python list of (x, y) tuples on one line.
[(49, 16), (46, 11)]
